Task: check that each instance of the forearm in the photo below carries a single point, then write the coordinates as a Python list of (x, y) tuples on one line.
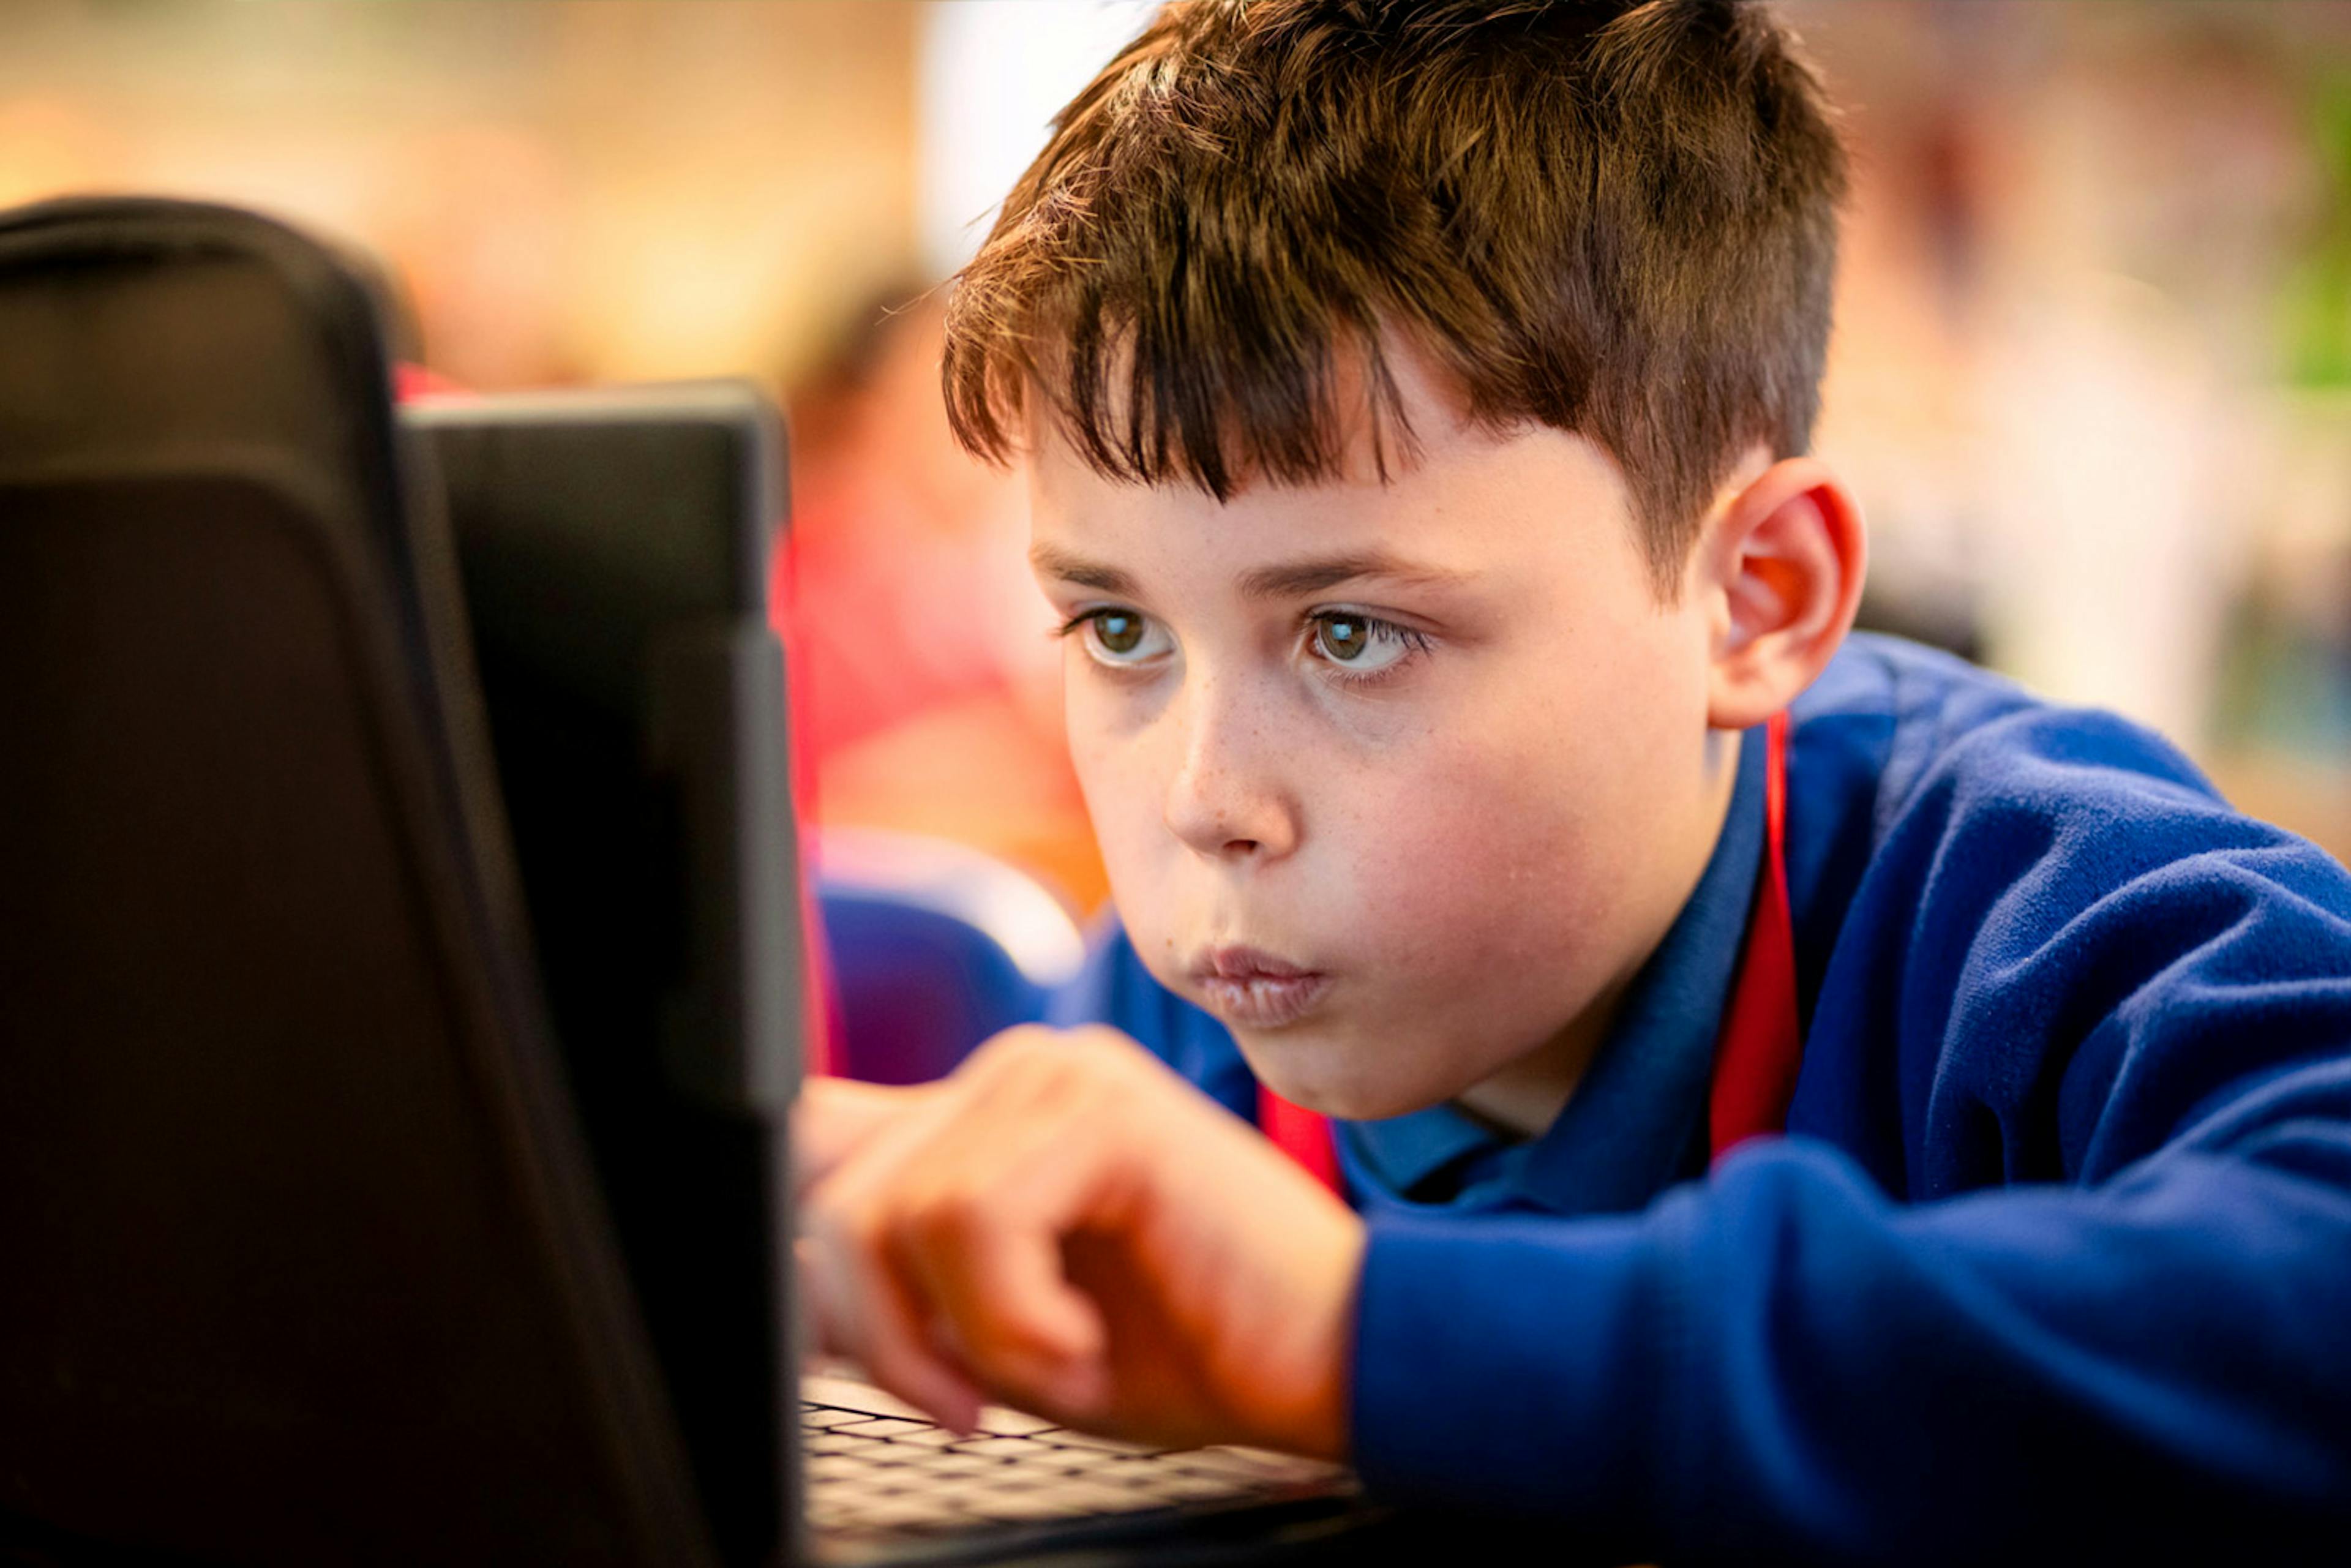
[(1781, 1363)]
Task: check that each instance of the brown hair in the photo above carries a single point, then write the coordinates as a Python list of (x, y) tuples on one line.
[(1615, 219)]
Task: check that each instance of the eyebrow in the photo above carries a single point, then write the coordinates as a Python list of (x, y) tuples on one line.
[(1295, 580), (1071, 566), (1287, 579)]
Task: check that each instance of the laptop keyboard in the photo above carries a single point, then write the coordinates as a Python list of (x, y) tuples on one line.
[(875, 1469)]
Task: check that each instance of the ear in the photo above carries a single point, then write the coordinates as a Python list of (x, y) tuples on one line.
[(1782, 567)]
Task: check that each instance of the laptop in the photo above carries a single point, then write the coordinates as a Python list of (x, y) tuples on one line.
[(613, 548)]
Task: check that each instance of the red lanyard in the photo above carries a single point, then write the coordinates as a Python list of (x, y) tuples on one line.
[(1760, 1046)]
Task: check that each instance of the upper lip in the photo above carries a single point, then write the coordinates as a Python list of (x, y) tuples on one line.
[(1235, 963)]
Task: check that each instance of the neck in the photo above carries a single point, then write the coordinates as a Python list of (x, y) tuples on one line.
[(1526, 1097)]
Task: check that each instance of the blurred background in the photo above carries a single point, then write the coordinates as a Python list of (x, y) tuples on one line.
[(2091, 375)]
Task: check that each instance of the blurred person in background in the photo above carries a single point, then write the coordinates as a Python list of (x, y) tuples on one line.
[(926, 689)]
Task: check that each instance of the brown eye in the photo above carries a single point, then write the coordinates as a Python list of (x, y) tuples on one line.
[(1124, 639), (1358, 646), (1342, 638), (1117, 632)]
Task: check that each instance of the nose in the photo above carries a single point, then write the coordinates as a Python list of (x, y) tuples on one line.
[(1227, 797)]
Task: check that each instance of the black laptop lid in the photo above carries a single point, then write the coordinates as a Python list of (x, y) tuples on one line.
[(303, 1262), (613, 545)]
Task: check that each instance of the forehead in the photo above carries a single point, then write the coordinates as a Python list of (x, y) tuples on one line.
[(1467, 499)]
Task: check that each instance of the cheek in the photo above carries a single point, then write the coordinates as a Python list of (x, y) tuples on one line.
[(1468, 916), (1512, 866), (1123, 796), (1491, 859)]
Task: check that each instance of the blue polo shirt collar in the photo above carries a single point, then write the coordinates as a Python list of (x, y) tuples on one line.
[(1637, 1123)]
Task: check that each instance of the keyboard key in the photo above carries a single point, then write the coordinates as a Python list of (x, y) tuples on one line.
[(930, 1438), (1086, 1462), (929, 1462), (815, 1417), (998, 1422), (845, 1394), (885, 1427), (1001, 1448)]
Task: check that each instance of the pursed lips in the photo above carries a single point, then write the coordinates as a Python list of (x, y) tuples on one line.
[(1250, 988)]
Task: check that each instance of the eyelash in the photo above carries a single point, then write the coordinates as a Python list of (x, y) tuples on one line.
[(1417, 643)]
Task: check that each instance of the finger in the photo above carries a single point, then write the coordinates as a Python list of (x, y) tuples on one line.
[(866, 1313), (981, 1233), (862, 1134), (1006, 1307), (1007, 1310)]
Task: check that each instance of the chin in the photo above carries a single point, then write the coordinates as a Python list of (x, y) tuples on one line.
[(1332, 1078)]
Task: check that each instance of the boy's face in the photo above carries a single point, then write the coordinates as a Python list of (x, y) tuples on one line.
[(1402, 781)]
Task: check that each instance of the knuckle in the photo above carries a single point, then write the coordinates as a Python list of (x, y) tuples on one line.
[(1102, 1037), (1030, 1054), (953, 1219), (1114, 1055), (1015, 1044), (1083, 1047)]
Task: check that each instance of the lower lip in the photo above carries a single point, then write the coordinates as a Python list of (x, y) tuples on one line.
[(1264, 1001)]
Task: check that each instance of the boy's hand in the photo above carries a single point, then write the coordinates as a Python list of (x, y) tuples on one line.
[(1067, 1226)]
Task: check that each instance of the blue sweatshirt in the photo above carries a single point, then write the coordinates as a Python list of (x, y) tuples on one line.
[(2055, 1256)]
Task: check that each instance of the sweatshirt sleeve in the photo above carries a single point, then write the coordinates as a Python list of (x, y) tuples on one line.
[(2095, 1302)]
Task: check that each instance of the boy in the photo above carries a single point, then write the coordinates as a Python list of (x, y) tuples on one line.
[(1415, 399)]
